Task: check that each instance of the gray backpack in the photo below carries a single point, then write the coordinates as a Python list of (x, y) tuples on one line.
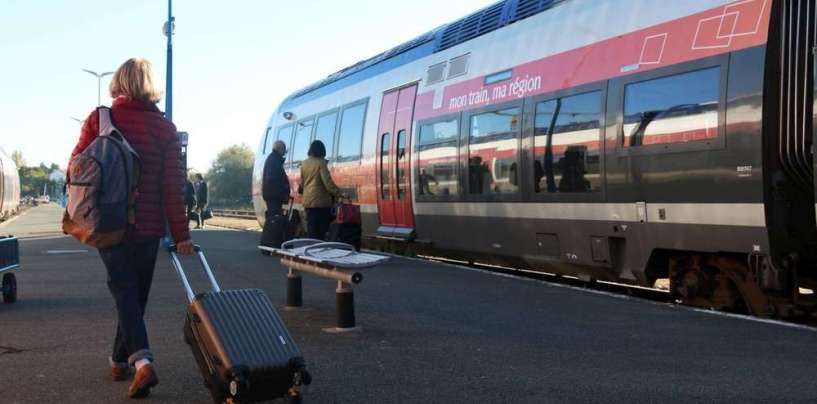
[(101, 184)]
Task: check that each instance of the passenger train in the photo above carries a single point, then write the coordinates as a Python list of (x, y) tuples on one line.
[(615, 140), (9, 187)]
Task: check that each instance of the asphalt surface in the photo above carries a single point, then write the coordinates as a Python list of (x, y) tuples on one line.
[(430, 333)]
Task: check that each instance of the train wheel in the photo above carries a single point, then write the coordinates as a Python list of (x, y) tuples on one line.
[(9, 288), (716, 282)]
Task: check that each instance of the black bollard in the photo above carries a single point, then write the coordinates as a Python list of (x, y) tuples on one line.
[(294, 290), (345, 299)]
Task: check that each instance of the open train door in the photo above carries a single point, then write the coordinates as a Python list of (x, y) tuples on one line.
[(393, 163)]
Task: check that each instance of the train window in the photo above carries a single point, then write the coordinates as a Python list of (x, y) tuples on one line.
[(325, 132), (400, 164), (675, 109), (300, 144), (350, 134), (492, 152), (385, 146), (268, 142), (437, 159), (566, 144), (284, 134)]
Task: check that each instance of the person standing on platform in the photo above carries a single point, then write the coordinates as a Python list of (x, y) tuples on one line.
[(160, 202), (190, 200), (319, 191), (275, 190), (201, 200)]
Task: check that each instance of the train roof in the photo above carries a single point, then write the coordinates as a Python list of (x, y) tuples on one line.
[(469, 27)]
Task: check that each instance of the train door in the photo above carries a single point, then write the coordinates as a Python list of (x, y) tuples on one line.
[(393, 163)]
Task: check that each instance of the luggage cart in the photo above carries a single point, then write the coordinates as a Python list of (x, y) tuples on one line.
[(9, 261), (336, 261)]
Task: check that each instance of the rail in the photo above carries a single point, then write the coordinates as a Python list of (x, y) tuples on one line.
[(234, 213)]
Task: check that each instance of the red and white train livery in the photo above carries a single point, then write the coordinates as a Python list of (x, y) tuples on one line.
[(620, 140)]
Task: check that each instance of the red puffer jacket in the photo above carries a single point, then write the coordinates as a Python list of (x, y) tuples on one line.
[(161, 186)]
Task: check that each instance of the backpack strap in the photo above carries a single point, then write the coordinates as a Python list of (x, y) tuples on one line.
[(107, 128), (105, 123)]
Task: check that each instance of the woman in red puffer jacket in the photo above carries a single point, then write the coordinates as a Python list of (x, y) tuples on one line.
[(160, 200)]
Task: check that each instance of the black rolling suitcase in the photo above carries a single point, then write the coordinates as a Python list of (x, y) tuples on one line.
[(275, 232), (242, 347), (279, 229)]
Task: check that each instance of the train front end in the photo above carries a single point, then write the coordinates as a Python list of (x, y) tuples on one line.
[(790, 267)]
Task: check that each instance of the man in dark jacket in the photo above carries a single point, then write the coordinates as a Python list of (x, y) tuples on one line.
[(201, 200), (190, 200), (275, 190)]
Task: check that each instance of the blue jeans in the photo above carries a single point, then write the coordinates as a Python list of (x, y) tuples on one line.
[(130, 272)]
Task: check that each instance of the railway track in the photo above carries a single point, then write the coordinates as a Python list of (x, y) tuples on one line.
[(234, 213)]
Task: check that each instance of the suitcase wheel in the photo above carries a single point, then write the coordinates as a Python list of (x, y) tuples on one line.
[(294, 397), (9, 288)]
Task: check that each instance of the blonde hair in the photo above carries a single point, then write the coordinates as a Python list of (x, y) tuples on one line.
[(134, 79)]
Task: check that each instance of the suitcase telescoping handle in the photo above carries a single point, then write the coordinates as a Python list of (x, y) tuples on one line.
[(177, 264), (291, 205)]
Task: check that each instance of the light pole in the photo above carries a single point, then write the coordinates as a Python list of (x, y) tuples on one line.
[(99, 77), (168, 29)]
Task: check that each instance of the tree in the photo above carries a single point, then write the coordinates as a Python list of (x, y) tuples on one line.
[(17, 157), (230, 177)]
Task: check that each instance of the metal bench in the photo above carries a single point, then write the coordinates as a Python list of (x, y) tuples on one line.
[(337, 261), (9, 261)]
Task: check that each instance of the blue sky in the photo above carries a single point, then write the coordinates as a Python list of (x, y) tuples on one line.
[(233, 62)]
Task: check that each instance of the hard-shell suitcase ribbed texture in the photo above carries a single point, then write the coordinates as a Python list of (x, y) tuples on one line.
[(242, 347)]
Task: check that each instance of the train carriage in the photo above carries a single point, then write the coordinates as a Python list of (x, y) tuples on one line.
[(625, 141), (9, 187)]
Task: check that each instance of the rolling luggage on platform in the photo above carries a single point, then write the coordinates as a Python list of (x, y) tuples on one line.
[(281, 228), (242, 347), (347, 226), (275, 232)]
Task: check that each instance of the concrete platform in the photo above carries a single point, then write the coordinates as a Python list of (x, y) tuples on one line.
[(430, 333)]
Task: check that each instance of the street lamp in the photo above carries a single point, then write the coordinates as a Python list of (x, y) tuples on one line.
[(168, 28), (99, 77)]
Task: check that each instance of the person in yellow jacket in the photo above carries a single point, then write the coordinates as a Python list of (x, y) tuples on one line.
[(319, 191)]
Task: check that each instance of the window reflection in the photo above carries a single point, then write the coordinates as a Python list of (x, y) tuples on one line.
[(675, 109), (300, 145), (325, 132), (437, 159), (401, 162), (350, 134), (492, 152), (268, 141), (566, 144), (284, 134), (384, 166)]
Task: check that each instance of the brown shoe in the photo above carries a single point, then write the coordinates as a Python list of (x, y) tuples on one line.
[(120, 374), (143, 380)]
